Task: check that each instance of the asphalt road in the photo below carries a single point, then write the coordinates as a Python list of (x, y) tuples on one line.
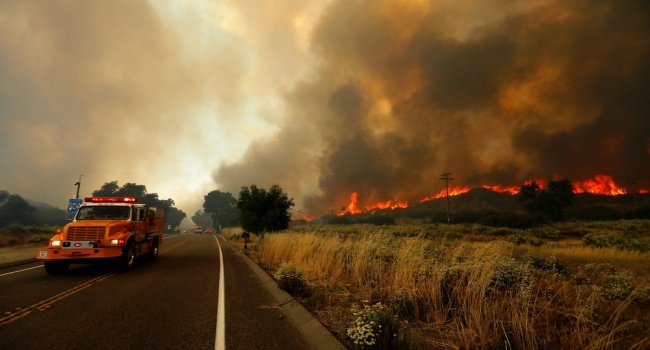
[(169, 303)]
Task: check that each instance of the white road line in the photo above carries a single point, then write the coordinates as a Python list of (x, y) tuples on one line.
[(220, 340), (29, 268)]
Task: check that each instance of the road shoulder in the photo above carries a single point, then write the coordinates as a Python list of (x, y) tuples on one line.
[(309, 327)]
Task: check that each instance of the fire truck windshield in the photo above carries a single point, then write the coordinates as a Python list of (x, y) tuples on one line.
[(103, 213)]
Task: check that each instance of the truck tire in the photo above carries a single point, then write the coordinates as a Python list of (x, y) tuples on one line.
[(153, 253), (55, 267), (127, 260)]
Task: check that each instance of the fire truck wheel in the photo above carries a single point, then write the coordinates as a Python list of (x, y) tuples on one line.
[(153, 253), (128, 257), (55, 267)]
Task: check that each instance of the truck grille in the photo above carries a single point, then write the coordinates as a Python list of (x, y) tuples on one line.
[(85, 233)]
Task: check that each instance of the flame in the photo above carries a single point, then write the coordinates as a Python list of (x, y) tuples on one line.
[(352, 207), (540, 183), (453, 191), (600, 184), (387, 205), (502, 189), (308, 218)]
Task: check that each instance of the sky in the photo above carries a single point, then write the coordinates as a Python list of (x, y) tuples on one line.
[(323, 98)]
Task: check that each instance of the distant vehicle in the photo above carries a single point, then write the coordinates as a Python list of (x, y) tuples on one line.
[(198, 229), (208, 230), (105, 228)]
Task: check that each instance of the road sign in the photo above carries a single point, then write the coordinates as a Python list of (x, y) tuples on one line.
[(73, 206)]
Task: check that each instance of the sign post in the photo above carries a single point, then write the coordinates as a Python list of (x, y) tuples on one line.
[(73, 206)]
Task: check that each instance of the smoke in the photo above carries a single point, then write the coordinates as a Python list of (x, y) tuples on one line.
[(494, 92), (323, 98), (116, 90)]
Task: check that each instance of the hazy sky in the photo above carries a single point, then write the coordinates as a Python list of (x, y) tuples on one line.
[(321, 97)]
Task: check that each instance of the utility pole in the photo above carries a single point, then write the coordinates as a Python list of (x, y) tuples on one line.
[(78, 184), (446, 177)]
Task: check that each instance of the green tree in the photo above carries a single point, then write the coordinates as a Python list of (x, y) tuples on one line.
[(550, 202), (264, 211), (202, 219), (16, 210), (222, 206), (108, 189), (3, 195)]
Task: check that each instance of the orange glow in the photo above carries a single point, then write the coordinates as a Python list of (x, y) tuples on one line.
[(643, 191), (600, 184), (307, 218)]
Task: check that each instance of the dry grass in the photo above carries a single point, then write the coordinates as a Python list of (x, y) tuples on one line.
[(460, 293)]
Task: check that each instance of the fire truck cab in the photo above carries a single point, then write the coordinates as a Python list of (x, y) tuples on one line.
[(105, 228)]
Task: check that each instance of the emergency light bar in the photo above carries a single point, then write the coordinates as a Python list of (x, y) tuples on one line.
[(111, 199)]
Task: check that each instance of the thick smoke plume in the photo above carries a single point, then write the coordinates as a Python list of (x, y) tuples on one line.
[(493, 91), (110, 90)]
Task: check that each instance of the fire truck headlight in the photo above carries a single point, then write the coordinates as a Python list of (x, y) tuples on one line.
[(117, 241), (55, 243)]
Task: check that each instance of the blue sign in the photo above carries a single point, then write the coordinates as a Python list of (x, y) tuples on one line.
[(73, 206)]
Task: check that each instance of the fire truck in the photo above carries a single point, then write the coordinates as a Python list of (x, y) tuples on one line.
[(116, 229)]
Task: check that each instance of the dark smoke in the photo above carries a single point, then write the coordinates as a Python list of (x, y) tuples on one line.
[(403, 94)]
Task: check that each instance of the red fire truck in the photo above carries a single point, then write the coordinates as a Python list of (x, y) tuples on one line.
[(105, 228)]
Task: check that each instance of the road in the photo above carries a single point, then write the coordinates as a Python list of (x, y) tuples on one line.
[(169, 303)]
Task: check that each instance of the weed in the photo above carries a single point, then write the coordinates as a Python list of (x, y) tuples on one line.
[(291, 279)]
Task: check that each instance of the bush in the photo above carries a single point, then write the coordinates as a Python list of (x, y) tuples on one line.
[(617, 286), (291, 279), (18, 234), (376, 327), (512, 220), (548, 263), (507, 275), (379, 220), (340, 220), (617, 241)]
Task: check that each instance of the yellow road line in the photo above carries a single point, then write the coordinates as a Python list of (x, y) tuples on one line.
[(47, 303)]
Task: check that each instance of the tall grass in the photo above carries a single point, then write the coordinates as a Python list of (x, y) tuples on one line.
[(463, 293)]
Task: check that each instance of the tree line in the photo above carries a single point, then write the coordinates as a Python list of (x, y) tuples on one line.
[(173, 215), (14, 209)]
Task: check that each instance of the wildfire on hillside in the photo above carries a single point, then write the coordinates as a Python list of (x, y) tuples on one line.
[(599, 184), (453, 191), (352, 207)]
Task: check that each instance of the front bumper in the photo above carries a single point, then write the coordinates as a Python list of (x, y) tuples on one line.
[(83, 255)]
